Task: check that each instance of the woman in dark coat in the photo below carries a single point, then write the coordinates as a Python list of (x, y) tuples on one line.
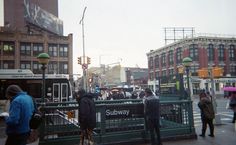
[(232, 104), (207, 114)]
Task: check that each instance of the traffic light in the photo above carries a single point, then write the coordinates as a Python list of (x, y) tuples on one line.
[(203, 73), (88, 60), (79, 60), (90, 80), (217, 72)]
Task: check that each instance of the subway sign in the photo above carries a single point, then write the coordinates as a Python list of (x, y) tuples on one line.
[(124, 111)]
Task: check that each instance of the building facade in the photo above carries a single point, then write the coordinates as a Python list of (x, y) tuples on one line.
[(205, 51), (28, 31), (20, 51)]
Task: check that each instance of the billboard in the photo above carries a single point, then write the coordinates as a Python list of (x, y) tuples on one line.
[(1, 13), (37, 16)]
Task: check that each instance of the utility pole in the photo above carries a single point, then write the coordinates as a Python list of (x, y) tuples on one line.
[(84, 65), (213, 99)]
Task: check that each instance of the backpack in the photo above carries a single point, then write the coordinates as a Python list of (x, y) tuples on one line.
[(36, 118), (208, 111)]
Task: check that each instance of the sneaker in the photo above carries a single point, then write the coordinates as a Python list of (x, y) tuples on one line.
[(211, 135), (202, 135)]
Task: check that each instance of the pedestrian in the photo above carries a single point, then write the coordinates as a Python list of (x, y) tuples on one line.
[(20, 112), (207, 114), (152, 116), (87, 116), (232, 104)]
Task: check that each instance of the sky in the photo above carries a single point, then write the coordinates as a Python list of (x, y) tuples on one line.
[(124, 31)]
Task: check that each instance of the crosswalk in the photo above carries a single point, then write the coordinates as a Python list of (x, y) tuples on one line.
[(226, 117)]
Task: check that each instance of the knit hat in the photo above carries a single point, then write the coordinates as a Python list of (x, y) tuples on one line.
[(80, 94), (12, 90), (148, 90)]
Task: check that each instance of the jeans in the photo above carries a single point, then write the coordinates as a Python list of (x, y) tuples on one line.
[(204, 126), (17, 139), (154, 128)]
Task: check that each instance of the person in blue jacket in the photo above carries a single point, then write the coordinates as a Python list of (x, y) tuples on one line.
[(20, 112)]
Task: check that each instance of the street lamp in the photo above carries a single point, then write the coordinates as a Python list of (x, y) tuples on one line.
[(84, 64), (181, 81), (187, 62), (43, 59)]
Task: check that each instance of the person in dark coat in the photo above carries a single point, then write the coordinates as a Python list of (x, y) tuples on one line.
[(87, 115), (232, 104), (152, 116), (207, 114)]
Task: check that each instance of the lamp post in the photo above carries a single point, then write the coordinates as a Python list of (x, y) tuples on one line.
[(43, 59), (181, 81), (84, 64), (217, 119), (187, 62)]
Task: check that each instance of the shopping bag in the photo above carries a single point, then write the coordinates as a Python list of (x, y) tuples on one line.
[(33, 136), (86, 137), (227, 105)]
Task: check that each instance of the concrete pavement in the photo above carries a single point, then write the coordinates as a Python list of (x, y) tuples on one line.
[(225, 134)]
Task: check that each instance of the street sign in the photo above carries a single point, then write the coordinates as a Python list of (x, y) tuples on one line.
[(84, 66)]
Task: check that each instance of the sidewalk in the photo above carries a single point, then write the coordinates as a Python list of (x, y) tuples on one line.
[(225, 134)]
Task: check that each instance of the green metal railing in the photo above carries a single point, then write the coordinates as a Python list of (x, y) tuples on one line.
[(117, 121)]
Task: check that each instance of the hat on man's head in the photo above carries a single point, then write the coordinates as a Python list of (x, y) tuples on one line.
[(80, 94), (12, 90), (148, 90)]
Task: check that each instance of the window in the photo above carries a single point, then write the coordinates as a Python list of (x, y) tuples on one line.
[(53, 67), (210, 52), (25, 65), (232, 53), (232, 70), (8, 64), (221, 52), (157, 75), (163, 59), (194, 70), (52, 50), (179, 55), (193, 52), (63, 68), (151, 76), (171, 57), (150, 62), (36, 67), (156, 61), (1, 48), (25, 49), (37, 49), (63, 50), (171, 72), (163, 74), (8, 48)]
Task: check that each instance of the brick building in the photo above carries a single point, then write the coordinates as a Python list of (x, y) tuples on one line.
[(205, 51), (32, 27)]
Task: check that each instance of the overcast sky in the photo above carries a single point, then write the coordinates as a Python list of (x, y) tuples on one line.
[(125, 30)]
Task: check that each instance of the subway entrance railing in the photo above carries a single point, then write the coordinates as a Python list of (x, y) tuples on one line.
[(118, 121)]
